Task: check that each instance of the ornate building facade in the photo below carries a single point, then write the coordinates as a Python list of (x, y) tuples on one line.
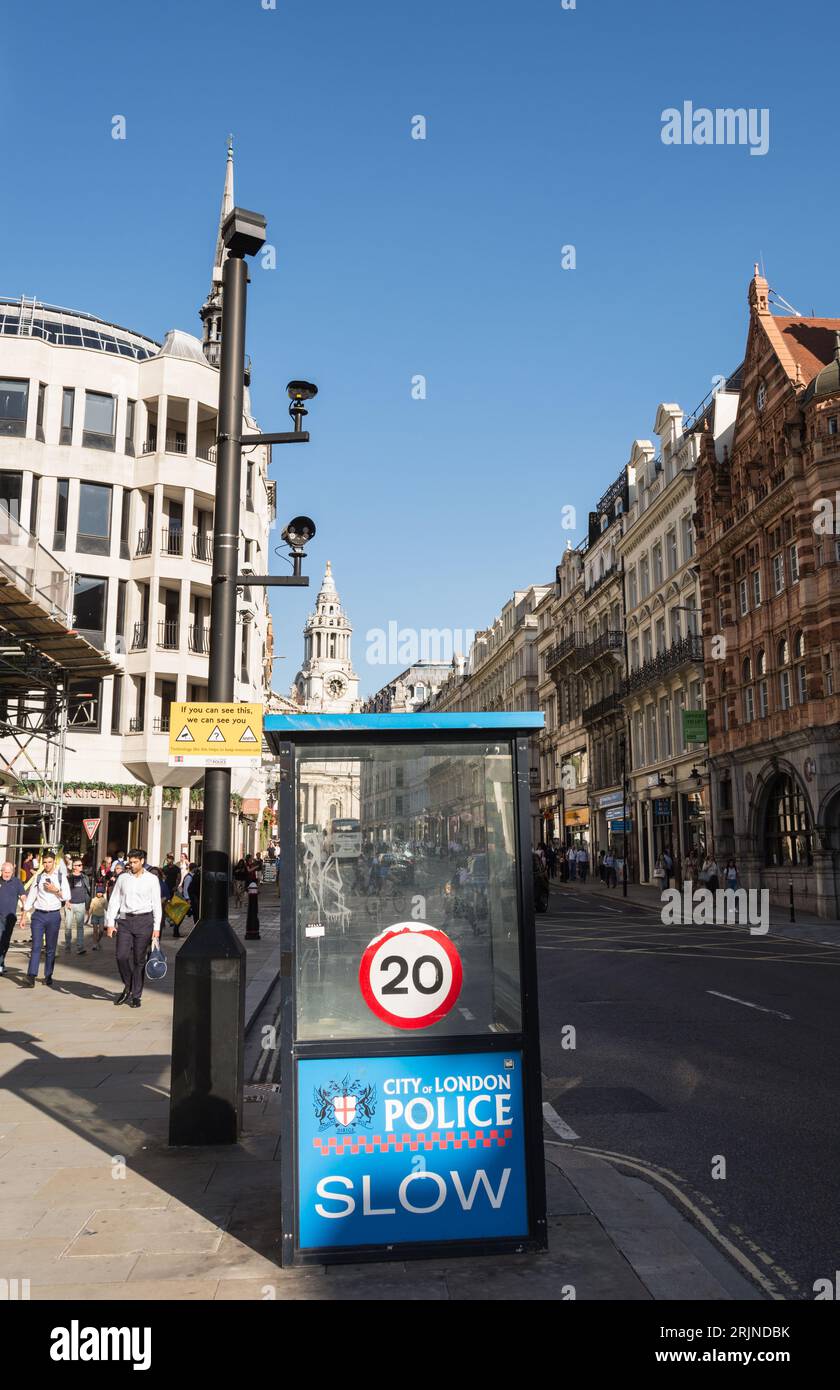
[(326, 682), (770, 571)]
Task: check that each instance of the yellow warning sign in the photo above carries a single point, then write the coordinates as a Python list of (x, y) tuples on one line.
[(215, 735)]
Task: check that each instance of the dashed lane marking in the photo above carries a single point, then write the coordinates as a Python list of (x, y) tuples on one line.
[(747, 1005)]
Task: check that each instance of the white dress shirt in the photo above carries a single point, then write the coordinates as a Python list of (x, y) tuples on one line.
[(39, 900), (134, 893)]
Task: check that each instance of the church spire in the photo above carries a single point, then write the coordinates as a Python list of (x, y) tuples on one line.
[(211, 310)]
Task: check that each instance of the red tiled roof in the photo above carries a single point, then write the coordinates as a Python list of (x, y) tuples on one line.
[(810, 342)]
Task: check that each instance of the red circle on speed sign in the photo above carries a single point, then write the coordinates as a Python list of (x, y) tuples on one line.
[(411, 975)]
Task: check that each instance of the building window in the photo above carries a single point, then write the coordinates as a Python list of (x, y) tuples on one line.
[(90, 603), (660, 635), (833, 424), (761, 396), (647, 648), (793, 560), (784, 689), (787, 824), (665, 726), (638, 740), (130, 414), (634, 654), (671, 549), (760, 662), (679, 706), (743, 598), (749, 705), (657, 565), (100, 411), (116, 705), (94, 535), (14, 403), (687, 538), (746, 670), (249, 486), (801, 685), (243, 656), (11, 488), (84, 698), (122, 589), (125, 522), (756, 588), (644, 577), (632, 589), (33, 505), (39, 418), (778, 574), (60, 532), (828, 674), (68, 402), (653, 752), (763, 702)]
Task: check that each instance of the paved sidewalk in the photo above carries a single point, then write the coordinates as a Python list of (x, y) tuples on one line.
[(808, 927), (95, 1206)]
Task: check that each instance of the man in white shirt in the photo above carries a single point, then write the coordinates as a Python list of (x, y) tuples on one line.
[(47, 892), (134, 906)]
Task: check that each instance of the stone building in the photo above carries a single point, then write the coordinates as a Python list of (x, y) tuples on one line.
[(563, 749), (326, 682), (769, 556)]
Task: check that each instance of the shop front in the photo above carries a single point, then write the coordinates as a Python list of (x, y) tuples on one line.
[(576, 819)]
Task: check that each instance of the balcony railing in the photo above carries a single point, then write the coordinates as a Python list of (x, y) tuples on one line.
[(168, 636), (150, 445), (198, 637), (685, 650), (135, 725), (610, 704), (176, 444), (206, 451), (160, 724), (202, 546), (172, 540), (140, 639), (610, 641), (144, 543), (569, 644)]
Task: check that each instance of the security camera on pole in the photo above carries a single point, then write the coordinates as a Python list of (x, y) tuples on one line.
[(209, 1002)]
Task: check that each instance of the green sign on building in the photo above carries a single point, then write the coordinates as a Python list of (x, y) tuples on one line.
[(695, 726)]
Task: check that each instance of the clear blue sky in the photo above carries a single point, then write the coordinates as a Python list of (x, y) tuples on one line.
[(441, 257)]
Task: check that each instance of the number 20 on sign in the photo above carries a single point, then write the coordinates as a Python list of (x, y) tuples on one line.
[(411, 975)]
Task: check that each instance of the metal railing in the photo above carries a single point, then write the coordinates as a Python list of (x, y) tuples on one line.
[(140, 638), (144, 543), (35, 570), (206, 452), (168, 635), (176, 444), (135, 725), (563, 649), (160, 724), (202, 546), (198, 638), (172, 540), (685, 650), (610, 704), (609, 641)]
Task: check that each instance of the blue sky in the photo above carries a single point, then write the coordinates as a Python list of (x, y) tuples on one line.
[(441, 257)]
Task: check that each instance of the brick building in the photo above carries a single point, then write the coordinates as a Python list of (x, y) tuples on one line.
[(770, 588)]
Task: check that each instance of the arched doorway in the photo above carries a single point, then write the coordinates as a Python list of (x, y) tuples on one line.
[(787, 832)]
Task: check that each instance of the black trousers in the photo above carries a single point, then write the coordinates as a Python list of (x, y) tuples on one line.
[(7, 926), (134, 937)]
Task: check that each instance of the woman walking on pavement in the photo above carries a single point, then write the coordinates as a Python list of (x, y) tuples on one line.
[(47, 893), (134, 914)]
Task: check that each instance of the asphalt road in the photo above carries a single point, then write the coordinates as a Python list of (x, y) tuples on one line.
[(672, 1077)]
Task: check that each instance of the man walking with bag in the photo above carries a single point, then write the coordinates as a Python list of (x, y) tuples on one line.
[(46, 896), (135, 907)]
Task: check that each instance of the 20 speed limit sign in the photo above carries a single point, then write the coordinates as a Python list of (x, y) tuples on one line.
[(411, 975)]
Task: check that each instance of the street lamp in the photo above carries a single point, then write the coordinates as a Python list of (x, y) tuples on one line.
[(208, 1021)]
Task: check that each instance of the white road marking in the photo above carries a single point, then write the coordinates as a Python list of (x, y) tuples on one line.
[(467, 1015), (559, 1126), (748, 1005)]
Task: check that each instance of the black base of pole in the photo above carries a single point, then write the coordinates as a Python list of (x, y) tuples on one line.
[(208, 1037), (252, 921)]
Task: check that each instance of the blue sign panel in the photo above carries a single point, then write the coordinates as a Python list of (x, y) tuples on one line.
[(410, 1149)]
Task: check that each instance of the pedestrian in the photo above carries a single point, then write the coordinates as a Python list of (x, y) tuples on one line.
[(134, 914), (730, 875), (193, 887), (601, 862), (582, 863), (659, 871), (27, 867), (171, 875), (710, 874), (97, 918), (667, 865), (76, 911), (46, 893), (608, 872), (551, 860), (571, 860), (240, 881), (12, 891)]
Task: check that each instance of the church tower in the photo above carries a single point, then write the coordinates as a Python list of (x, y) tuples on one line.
[(327, 683), (210, 312)]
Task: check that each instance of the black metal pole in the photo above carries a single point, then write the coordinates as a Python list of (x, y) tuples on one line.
[(209, 1002)]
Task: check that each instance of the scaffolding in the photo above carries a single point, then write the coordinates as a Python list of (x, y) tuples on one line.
[(44, 666)]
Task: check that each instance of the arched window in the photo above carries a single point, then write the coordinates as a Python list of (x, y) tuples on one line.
[(760, 663), (784, 652), (746, 670), (799, 645), (788, 835)]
